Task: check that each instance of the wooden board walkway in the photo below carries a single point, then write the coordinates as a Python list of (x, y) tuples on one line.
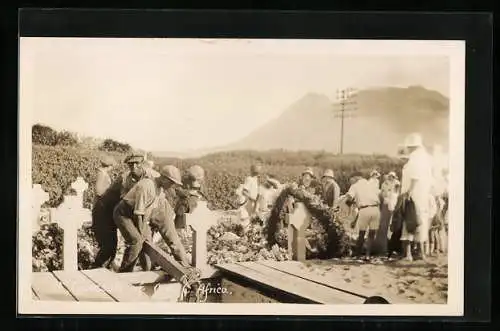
[(102, 285), (291, 281)]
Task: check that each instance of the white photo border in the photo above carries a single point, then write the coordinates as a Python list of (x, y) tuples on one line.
[(455, 50)]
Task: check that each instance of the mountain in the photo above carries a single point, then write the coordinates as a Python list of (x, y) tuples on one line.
[(379, 122)]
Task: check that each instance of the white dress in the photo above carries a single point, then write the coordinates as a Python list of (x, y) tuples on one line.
[(419, 168)]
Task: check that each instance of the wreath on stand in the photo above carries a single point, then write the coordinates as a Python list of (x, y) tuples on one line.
[(326, 236)]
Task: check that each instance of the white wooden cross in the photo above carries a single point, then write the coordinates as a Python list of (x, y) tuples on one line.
[(298, 221), (70, 215), (200, 220), (38, 198)]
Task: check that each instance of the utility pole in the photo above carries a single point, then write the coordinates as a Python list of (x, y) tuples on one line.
[(347, 103)]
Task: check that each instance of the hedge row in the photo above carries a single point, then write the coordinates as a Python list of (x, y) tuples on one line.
[(55, 168)]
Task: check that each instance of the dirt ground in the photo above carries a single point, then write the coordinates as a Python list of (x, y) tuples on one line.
[(411, 282)]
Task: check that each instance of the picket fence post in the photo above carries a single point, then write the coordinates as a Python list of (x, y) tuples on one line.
[(298, 221), (200, 220)]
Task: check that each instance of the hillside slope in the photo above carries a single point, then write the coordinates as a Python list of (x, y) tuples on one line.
[(383, 117)]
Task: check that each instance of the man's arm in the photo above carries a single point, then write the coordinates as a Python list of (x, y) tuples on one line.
[(164, 221)]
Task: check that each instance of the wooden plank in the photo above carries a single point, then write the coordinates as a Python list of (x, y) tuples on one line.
[(300, 270), (81, 287), (307, 285), (164, 260), (116, 287), (48, 288), (144, 277), (279, 281)]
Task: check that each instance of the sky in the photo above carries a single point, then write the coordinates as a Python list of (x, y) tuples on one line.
[(187, 94)]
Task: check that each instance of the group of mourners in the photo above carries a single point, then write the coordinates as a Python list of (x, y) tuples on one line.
[(139, 203), (395, 216), (399, 218)]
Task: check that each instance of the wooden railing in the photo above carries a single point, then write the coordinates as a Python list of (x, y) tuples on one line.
[(70, 215)]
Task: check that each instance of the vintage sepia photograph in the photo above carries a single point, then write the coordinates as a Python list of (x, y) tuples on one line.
[(241, 176)]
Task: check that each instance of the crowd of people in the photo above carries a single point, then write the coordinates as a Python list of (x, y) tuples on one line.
[(394, 215), (398, 218)]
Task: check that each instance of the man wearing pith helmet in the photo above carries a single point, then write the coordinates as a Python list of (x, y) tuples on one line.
[(331, 190), (188, 194), (306, 180), (134, 211), (416, 184)]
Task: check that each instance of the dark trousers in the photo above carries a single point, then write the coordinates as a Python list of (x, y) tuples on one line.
[(381, 240), (105, 233), (394, 244), (135, 235)]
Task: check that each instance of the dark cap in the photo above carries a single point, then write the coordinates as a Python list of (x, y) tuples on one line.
[(134, 158)]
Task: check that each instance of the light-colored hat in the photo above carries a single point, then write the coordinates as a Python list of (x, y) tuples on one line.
[(328, 173), (309, 171), (374, 173), (413, 140), (392, 174), (171, 172), (107, 161)]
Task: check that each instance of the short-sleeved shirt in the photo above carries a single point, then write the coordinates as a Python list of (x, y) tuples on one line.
[(364, 193), (251, 186), (103, 182), (142, 196)]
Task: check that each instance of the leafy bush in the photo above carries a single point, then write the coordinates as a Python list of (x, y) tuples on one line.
[(47, 249), (56, 168), (43, 135), (225, 171), (110, 145)]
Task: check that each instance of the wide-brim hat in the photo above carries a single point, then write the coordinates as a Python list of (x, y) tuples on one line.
[(413, 140), (374, 173), (309, 171), (328, 173), (392, 174), (171, 172)]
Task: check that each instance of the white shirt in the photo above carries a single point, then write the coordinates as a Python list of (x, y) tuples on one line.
[(364, 193), (419, 168), (251, 185)]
